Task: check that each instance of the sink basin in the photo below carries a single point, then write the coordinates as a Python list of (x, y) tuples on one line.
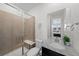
[(57, 46)]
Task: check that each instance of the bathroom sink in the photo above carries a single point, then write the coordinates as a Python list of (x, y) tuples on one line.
[(57, 46)]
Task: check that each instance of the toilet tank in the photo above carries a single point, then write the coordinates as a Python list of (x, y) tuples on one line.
[(38, 43)]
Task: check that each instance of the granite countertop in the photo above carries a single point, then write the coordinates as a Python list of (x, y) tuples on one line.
[(68, 51)]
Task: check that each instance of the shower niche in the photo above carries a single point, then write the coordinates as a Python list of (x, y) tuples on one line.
[(56, 26)]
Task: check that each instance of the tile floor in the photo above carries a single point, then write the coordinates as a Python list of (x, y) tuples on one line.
[(17, 52)]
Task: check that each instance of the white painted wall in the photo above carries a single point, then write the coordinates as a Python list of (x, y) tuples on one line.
[(41, 13)]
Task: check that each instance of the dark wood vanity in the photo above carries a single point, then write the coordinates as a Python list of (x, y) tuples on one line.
[(48, 52)]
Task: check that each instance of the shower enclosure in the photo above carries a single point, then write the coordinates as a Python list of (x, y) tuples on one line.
[(15, 27)]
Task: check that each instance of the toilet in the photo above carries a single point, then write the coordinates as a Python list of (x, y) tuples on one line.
[(35, 51)]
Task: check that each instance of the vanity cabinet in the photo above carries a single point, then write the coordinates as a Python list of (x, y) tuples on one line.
[(48, 52)]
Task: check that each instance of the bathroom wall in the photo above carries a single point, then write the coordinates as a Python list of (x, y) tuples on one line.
[(41, 13), (29, 28)]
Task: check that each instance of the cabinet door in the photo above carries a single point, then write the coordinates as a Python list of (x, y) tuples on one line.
[(29, 28)]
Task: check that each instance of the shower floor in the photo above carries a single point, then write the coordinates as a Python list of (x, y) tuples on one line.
[(17, 52)]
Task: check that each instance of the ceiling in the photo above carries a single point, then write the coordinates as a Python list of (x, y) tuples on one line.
[(26, 6)]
